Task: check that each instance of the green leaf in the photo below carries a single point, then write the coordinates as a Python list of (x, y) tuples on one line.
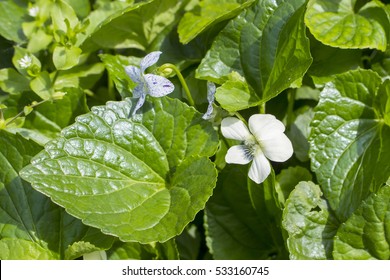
[(115, 65), (13, 82), (39, 40), (66, 57), (83, 76), (142, 26), (383, 101), (19, 55), (56, 115), (328, 61), (12, 15), (299, 132), (286, 181), (167, 250), (365, 235), (136, 251), (266, 44), (31, 226), (349, 140), (189, 243), (101, 12), (42, 85), (344, 24), (81, 7), (310, 223), (153, 169), (206, 14), (131, 251), (235, 229), (235, 94), (381, 64), (61, 12), (46, 120)]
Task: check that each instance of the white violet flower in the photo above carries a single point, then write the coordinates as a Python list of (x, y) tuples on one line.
[(25, 61), (154, 85), (33, 11), (210, 98), (264, 140)]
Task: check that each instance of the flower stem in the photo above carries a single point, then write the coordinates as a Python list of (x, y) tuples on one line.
[(22, 112), (182, 81), (262, 108), (110, 85), (290, 108), (238, 115)]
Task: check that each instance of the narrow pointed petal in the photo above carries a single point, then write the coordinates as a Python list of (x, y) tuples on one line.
[(134, 73), (210, 98), (139, 104), (233, 128), (210, 91), (265, 126), (260, 168), (209, 112), (149, 60), (277, 149), (238, 154), (158, 86)]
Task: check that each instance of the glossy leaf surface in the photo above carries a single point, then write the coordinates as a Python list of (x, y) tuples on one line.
[(140, 179)]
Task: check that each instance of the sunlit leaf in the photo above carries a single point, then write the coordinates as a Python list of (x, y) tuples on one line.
[(348, 24), (266, 44), (365, 234), (31, 226), (152, 172), (208, 13), (350, 140), (310, 224)]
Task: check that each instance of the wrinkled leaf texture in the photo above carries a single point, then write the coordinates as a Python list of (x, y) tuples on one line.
[(31, 226), (140, 179)]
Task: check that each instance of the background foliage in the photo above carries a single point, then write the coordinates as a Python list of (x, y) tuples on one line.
[(78, 175)]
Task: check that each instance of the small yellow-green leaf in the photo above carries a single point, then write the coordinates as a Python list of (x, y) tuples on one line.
[(42, 85), (66, 57), (343, 24)]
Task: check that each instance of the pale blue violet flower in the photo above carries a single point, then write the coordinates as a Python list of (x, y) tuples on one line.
[(210, 98), (265, 139), (154, 85)]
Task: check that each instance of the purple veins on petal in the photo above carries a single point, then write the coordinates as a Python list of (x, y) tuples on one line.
[(158, 86), (149, 60)]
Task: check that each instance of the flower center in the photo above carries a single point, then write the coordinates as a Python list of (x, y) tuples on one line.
[(251, 147)]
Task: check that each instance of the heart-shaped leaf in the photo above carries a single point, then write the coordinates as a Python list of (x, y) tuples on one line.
[(142, 179), (350, 140), (344, 24), (31, 226)]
